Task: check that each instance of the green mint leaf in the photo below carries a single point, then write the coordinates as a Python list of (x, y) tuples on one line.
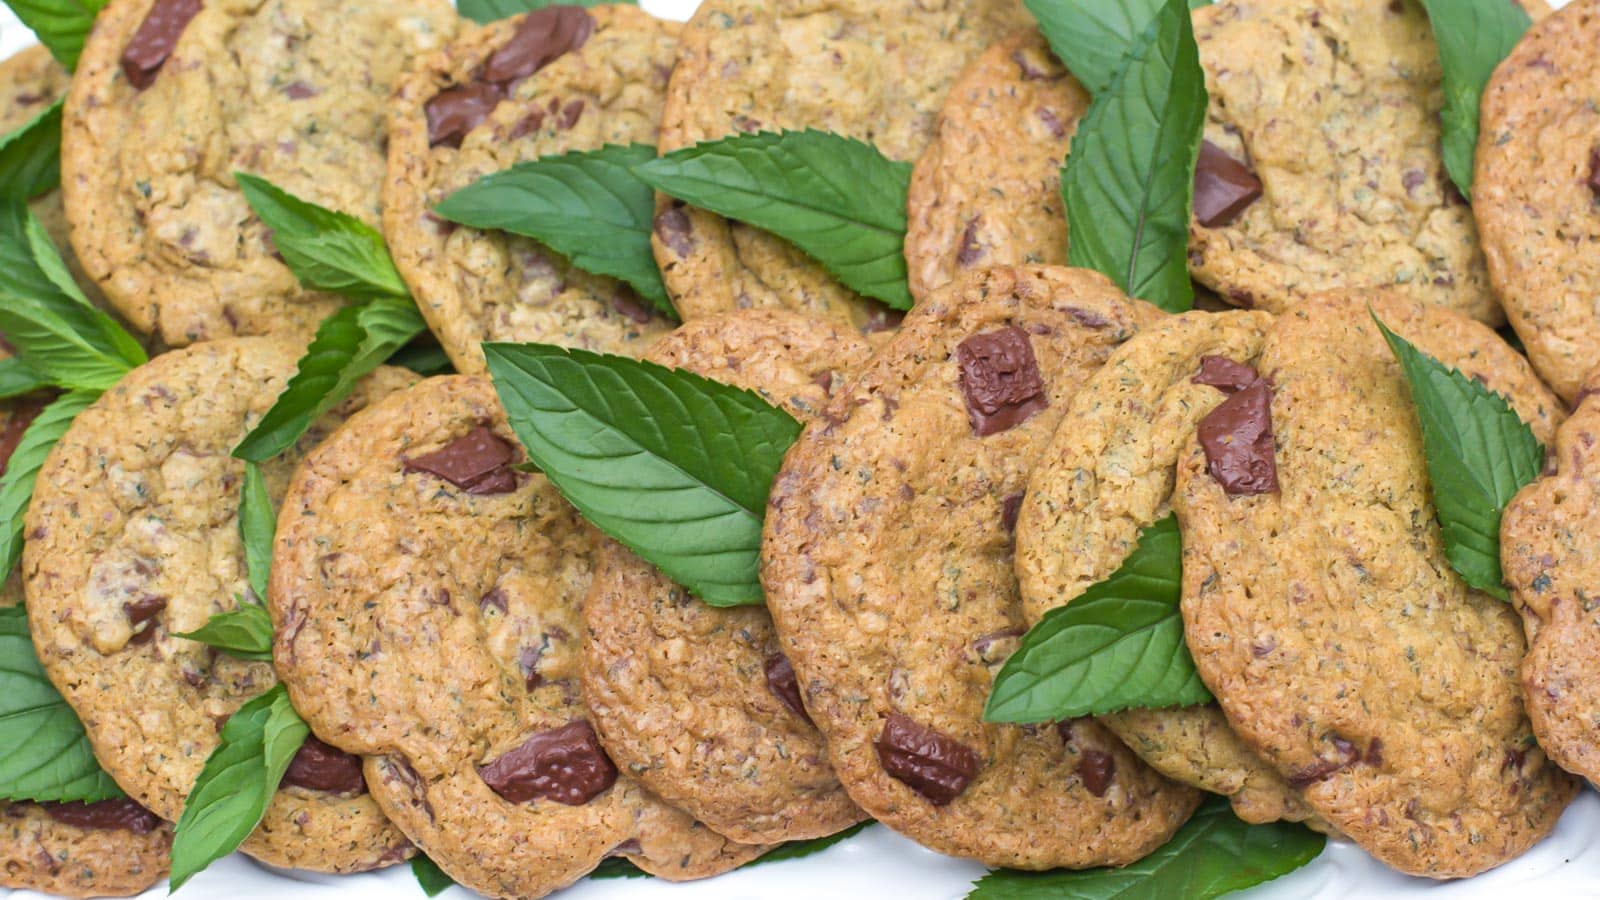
[(30, 157), (803, 849), (1479, 455), (836, 198), (327, 250), (618, 867), (1473, 37), (348, 346), (485, 11), (675, 466), (1129, 180), (61, 25), (16, 486), (1214, 854), (44, 754), (18, 378), (423, 356), (239, 778), (1094, 37), (590, 207), (258, 524), (245, 632), (430, 877), (1118, 646)]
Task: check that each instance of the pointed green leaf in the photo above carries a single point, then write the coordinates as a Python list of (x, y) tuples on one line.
[(485, 11), (617, 867), (245, 632), (327, 250), (30, 157), (423, 356), (1094, 37), (1473, 37), (18, 378), (16, 485), (430, 877), (61, 25), (803, 849), (257, 526)]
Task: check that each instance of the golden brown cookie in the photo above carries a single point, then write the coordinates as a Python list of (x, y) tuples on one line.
[(427, 597), (133, 537), (1321, 610), (114, 848), (165, 108), (578, 80), (987, 191), (887, 565), (876, 70)]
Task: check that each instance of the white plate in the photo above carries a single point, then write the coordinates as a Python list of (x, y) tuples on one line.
[(880, 864)]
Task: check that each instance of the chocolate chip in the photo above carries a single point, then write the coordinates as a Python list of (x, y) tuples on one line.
[(1223, 187), (22, 415), (1097, 769), (1051, 121), (629, 306), (970, 250), (322, 767), (454, 113), (1344, 755), (155, 40), (570, 115), (541, 38), (999, 379), (936, 766), (1010, 506), (672, 227), (527, 125), (1594, 170), (495, 599), (144, 609), (563, 764), (1224, 374), (1237, 439), (107, 815), (783, 685), (881, 318), (299, 90), (478, 462)]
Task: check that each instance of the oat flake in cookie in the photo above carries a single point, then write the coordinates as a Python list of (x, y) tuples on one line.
[(887, 565), (697, 702), (1326, 619), (173, 96), (877, 70), (558, 80), (133, 536), (427, 600)]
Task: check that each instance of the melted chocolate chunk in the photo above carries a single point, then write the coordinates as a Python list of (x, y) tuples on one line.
[(672, 228), (22, 415), (881, 318), (1344, 755), (454, 113), (1010, 506), (321, 767), (783, 685), (478, 462), (106, 815), (1237, 439), (999, 379), (1223, 187), (144, 609), (970, 250), (1097, 769), (936, 766), (155, 40), (542, 37), (564, 764), (1224, 374), (1594, 170)]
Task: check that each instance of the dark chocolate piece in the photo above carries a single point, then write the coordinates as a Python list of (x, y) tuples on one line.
[(1097, 769), (1010, 506), (672, 228), (322, 767), (1594, 170), (1223, 187), (155, 40), (106, 815), (936, 766), (478, 462), (970, 251), (144, 609), (1000, 379), (454, 113), (542, 37), (1345, 755), (783, 685), (1237, 439), (1224, 374), (564, 764)]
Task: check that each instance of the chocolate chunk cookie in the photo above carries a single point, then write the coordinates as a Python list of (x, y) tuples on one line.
[(1322, 167), (1322, 612), (697, 702), (887, 564), (557, 80), (427, 600), (115, 848), (877, 70), (132, 539), (987, 191), (172, 97)]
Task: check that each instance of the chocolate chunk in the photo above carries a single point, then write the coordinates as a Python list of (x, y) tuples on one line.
[(1097, 769), (1594, 170), (541, 38), (454, 113), (321, 767), (478, 462), (144, 609), (155, 40), (1223, 187), (970, 250), (783, 685), (934, 765), (564, 764), (881, 318), (299, 90), (628, 304), (1237, 439), (106, 815), (1224, 374), (999, 379), (672, 227), (22, 415), (1345, 755), (1010, 506)]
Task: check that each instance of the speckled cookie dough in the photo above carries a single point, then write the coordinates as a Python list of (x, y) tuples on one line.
[(1334, 106), (697, 702), (887, 565), (133, 538), (158, 121), (427, 600), (605, 88), (1321, 610), (987, 191), (109, 849), (876, 70)]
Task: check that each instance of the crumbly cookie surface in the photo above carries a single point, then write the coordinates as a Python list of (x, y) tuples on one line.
[(133, 537), (40, 853), (1327, 621), (434, 629), (987, 191), (291, 90), (877, 70), (476, 286)]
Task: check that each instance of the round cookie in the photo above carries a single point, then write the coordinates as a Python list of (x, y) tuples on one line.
[(475, 286), (697, 702), (876, 70), (1334, 106), (132, 539), (1538, 174), (110, 849), (165, 108), (427, 601), (887, 565), (987, 191), (1321, 610)]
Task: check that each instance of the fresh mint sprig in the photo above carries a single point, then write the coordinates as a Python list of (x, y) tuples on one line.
[(22, 470), (61, 25), (1473, 37), (1095, 37), (30, 157), (485, 11)]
